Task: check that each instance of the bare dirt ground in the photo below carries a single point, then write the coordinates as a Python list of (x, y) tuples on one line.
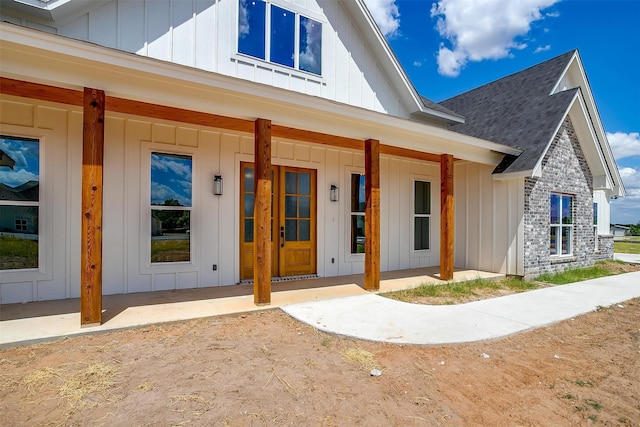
[(265, 368)]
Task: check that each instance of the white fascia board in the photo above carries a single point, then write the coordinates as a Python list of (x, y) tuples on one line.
[(512, 175), (593, 116), (389, 61), (70, 63)]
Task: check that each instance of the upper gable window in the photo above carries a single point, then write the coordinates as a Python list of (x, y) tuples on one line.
[(275, 34)]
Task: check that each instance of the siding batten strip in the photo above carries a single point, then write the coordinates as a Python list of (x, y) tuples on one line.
[(92, 178), (447, 219), (372, 215), (262, 214)]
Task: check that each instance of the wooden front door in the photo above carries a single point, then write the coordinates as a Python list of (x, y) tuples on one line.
[(293, 221)]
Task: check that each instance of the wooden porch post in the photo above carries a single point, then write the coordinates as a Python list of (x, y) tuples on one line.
[(262, 214), (446, 217), (372, 215), (91, 239)]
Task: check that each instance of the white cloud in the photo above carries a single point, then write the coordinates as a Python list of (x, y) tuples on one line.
[(542, 48), (386, 15), (624, 144), (627, 210), (417, 64), (14, 178), (479, 30)]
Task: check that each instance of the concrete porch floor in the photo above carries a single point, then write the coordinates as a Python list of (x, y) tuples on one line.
[(47, 320)]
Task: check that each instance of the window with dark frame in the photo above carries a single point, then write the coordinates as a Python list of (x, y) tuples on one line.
[(19, 203), (421, 215), (358, 204), (272, 33), (171, 203)]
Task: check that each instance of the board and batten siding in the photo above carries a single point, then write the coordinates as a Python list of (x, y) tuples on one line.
[(488, 214), (203, 34), (129, 140)]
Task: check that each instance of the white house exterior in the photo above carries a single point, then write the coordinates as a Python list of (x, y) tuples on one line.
[(182, 96)]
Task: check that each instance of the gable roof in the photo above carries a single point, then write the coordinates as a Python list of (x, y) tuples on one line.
[(517, 111), (525, 110)]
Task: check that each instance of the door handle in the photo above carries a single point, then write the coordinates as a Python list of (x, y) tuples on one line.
[(282, 237)]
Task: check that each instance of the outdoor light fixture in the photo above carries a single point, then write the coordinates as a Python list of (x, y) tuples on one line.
[(334, 194), (217, 185)]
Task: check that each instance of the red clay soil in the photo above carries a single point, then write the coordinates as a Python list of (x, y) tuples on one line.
[(267, 369)]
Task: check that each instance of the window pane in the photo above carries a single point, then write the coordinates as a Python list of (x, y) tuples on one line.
[(291, 183), (290, 230), (170, 235), (248, 230), (566, 240), (305, 207), (282, 36), (555, 209), (19, 169), (567, 216), (595, 214), (422, 197), (310, 45), (248, 204), (357, 234), (248, 180), (357, 193), (18, 237), (251, 32), (304, 230), (554, 240), (170, 179), (421, 233), (291, 207), (305, 183)]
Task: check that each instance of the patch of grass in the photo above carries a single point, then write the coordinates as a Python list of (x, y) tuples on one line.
[(568, 396), (594, 404), (18, 253), (575, 275), (626, 247), (460, 290), (581, 383), (170, 250), (95, 378), (593, 418), (361, 357)]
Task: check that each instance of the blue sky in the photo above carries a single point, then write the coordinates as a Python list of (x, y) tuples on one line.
[(171, 178), (450, 46), (27, 157)]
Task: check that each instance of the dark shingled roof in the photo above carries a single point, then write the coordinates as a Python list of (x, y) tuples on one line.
[(517, 111)]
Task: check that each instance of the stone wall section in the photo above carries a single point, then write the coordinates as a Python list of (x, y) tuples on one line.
[(605, 247), (564, 171)]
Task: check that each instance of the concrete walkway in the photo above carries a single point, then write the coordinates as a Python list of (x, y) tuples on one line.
[(336, 305), (375, 318), (630, 258)]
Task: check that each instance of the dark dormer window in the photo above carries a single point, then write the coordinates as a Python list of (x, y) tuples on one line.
[(275, 34)]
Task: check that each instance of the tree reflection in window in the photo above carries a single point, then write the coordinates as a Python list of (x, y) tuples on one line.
[(171, 188)]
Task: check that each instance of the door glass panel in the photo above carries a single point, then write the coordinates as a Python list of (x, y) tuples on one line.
[(291, 206), (305, 207), (290, 230), (248, 230), (248, 180), (304, 179), (304, 230), (248, 204), (290, 183), (357, 234)]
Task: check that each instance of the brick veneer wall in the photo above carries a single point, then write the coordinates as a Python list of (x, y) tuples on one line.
[(605, 247), (565, 171)]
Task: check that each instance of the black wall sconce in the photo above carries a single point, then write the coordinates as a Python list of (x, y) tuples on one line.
[(334, 193), (217, 185)]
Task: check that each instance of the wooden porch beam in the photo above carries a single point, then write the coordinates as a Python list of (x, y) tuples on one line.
[(91, 239), (447, 219), (262, 214), (372, 215), (40, 91), (162, 112)]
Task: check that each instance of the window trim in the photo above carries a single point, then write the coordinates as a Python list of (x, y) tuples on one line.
[(238, 56), (414, 215), (44, 271), (560, 226), (146, 266)]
